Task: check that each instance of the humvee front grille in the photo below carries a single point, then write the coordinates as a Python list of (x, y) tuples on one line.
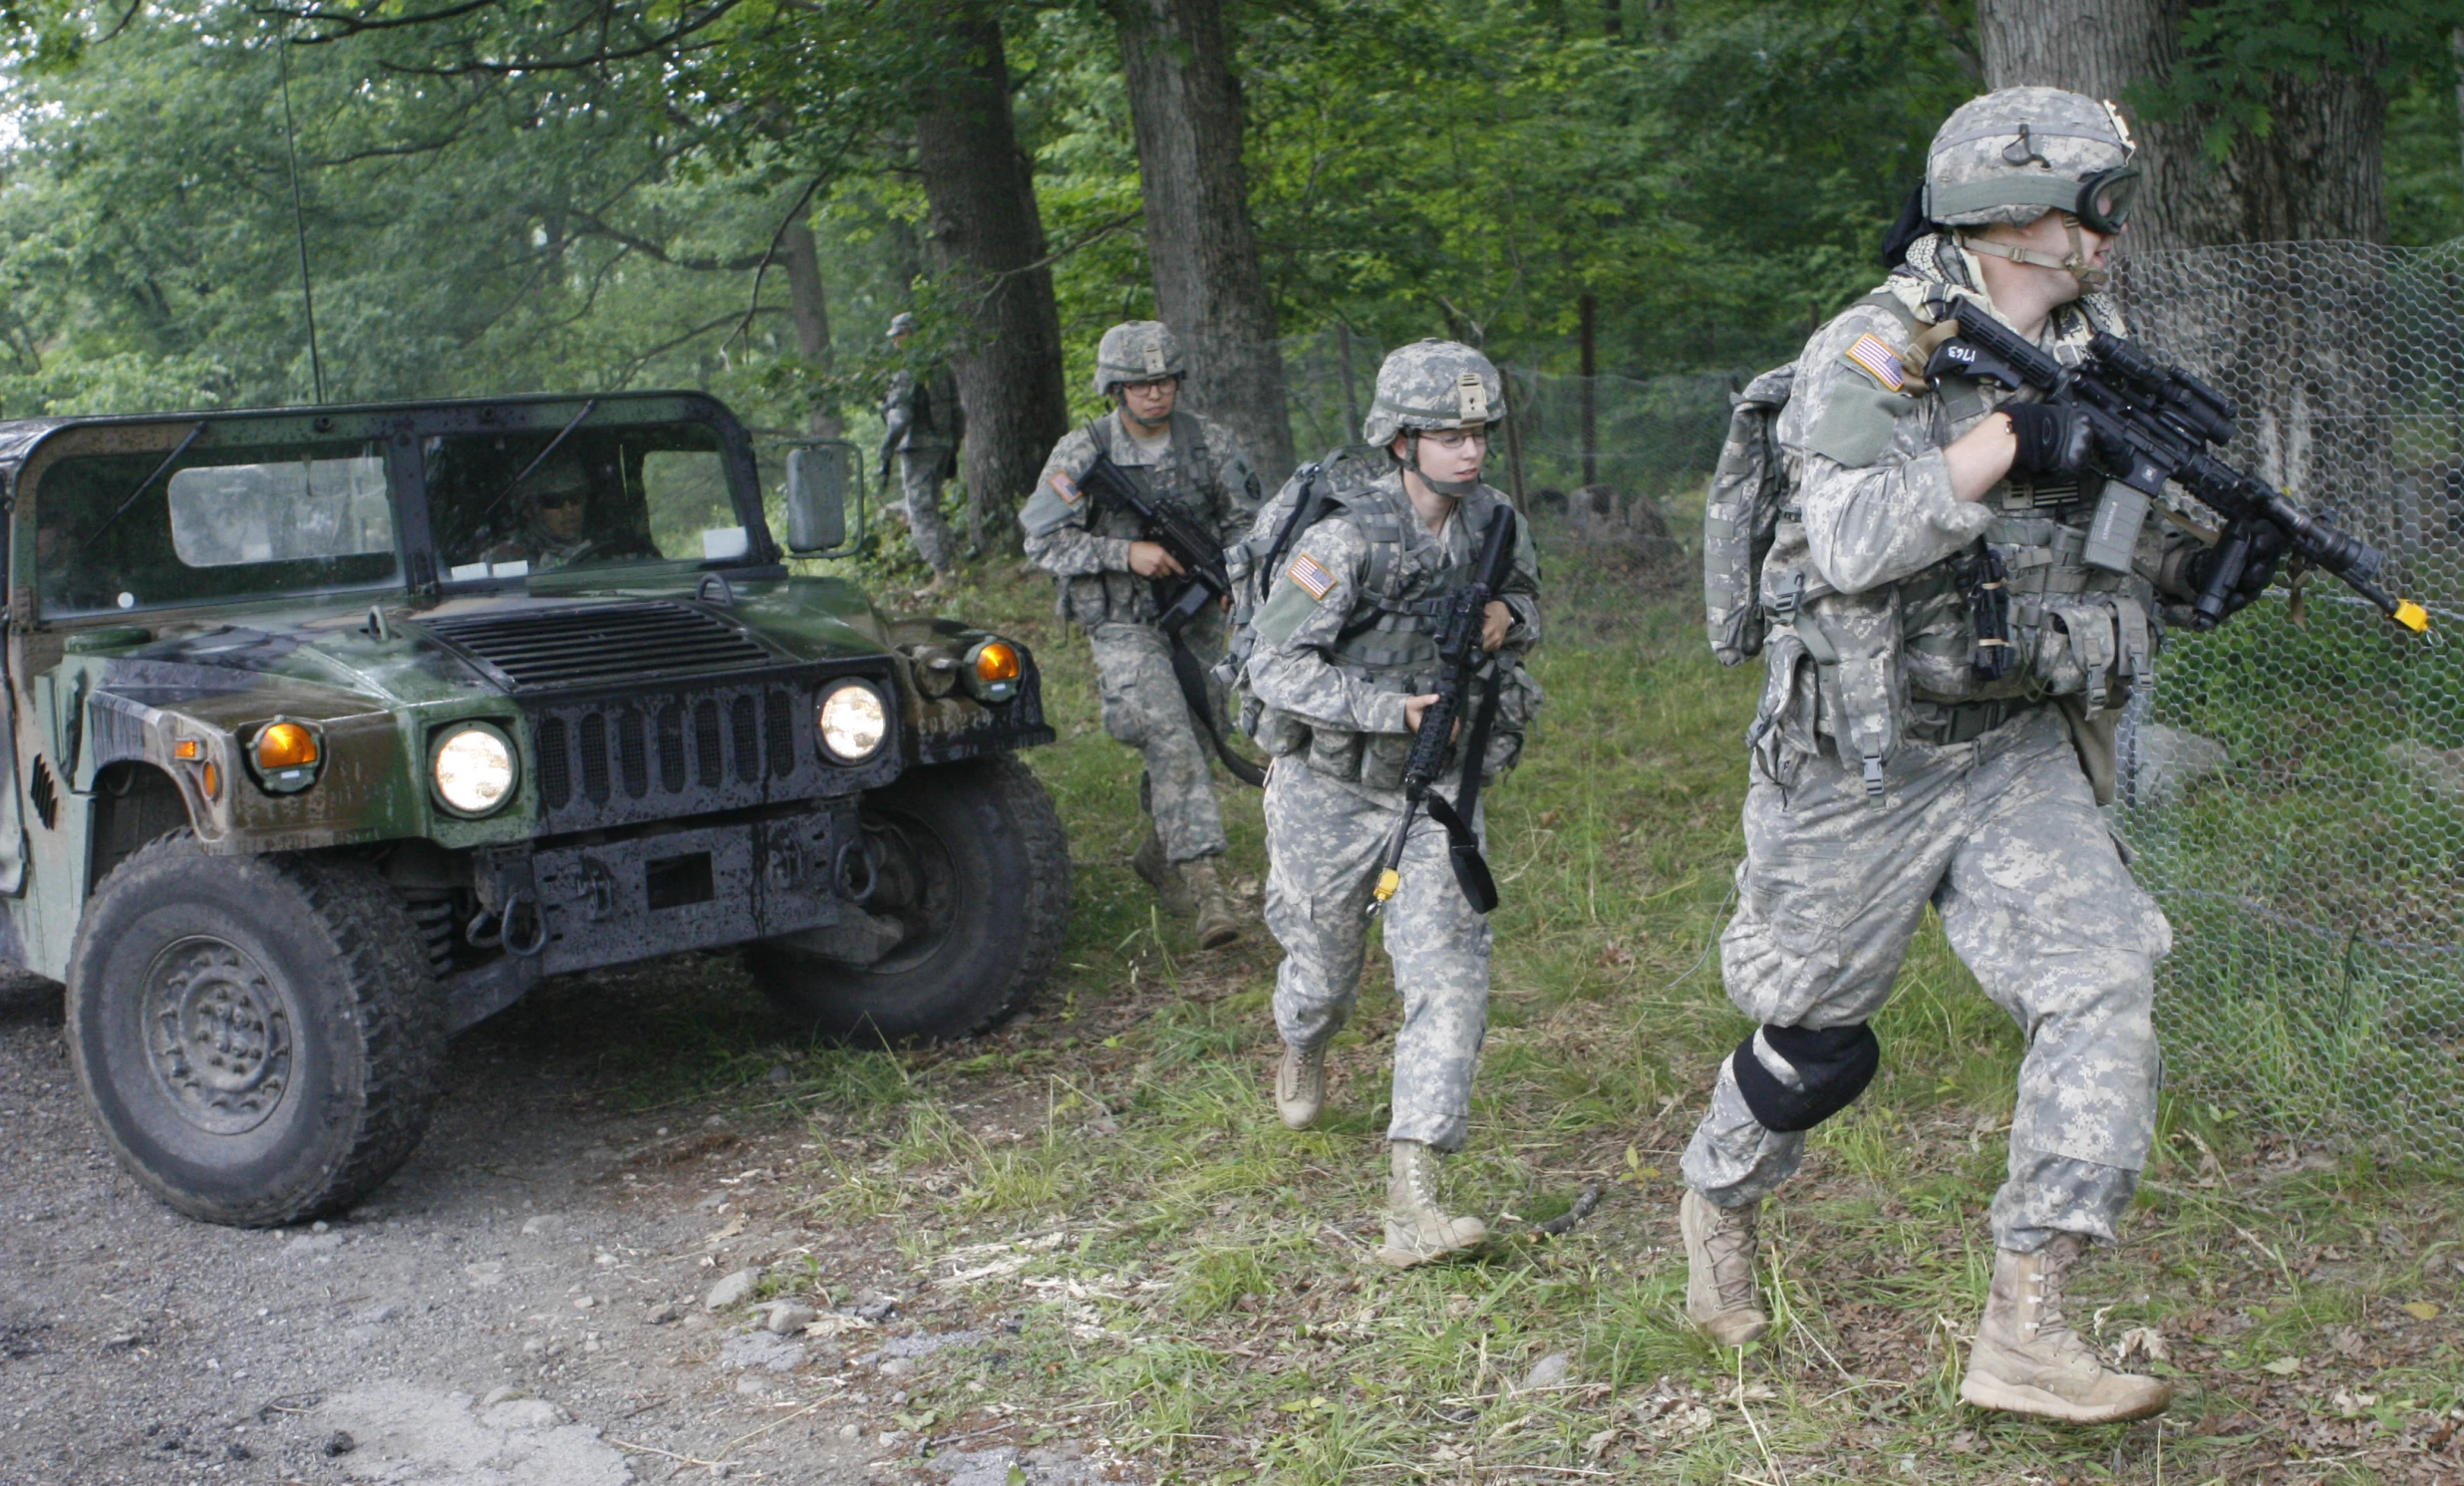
[(675, 752), (586, 644)]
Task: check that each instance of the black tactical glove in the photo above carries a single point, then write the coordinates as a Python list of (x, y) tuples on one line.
[(2054, 438), (2266, 554)]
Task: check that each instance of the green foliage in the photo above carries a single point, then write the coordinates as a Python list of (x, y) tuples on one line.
[(2236, 55)]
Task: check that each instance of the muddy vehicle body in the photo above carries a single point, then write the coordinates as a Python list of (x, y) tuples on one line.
[(333, 730)]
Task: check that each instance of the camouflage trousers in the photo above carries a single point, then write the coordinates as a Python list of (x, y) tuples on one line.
[(1143, 707), (1324, 840), (2002, 835), (919, 470)]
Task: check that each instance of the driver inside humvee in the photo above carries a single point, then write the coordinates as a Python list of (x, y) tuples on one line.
[(555, 522)]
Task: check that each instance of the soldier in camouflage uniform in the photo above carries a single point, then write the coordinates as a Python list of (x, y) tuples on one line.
[(1891, 766), (922, 425), (1109, 573), (1345, 660)]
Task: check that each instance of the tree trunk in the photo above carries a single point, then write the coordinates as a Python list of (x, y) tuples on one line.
[(2316, 174), (988, 248), (1185, 108), (2289, 330), (809, 308)]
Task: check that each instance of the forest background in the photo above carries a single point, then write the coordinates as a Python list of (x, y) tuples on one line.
[(735, 194)]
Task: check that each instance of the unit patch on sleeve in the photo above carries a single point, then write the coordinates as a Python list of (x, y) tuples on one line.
[(1307, 574), (1064, 486), (1878, 361)]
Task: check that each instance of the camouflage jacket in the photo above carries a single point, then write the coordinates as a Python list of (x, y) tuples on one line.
[(923, 414), (1085, 544), (1324, 686), (1872, 564)]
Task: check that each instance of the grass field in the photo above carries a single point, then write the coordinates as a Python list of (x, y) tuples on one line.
[(1191, 1281)]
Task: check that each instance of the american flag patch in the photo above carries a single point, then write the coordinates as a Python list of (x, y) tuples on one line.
[(1307, 574), (1878, 361), (1064, 486)]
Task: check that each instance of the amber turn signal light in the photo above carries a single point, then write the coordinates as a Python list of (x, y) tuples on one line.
[(187, 749), (285, 746), (213, 783), (995, 660)]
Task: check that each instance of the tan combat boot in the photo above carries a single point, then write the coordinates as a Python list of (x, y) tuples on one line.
[(2028, 1360), (1218, 925), (1417, 1229), (1157, 873), (1720, 1269), (1300, 1086)]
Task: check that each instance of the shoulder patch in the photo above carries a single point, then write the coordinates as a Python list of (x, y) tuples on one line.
[(1869, 354), (1306, 573), (1064, 486)]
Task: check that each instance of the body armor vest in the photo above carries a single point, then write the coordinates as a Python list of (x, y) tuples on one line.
[(1184, 479), (1897, 662), (1390, 641)]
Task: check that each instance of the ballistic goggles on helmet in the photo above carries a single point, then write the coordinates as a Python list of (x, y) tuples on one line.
[(2101, 203)]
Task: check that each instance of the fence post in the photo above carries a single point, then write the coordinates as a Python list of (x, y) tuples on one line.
[(1590, 308)]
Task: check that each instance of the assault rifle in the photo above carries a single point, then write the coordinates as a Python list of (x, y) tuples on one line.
[(1204, 581), (2150, 422), (1459, 658)]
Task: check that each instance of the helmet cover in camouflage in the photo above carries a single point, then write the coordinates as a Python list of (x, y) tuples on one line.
[(901, 324), (2016, 154), (1136, 351), (1433, 383)]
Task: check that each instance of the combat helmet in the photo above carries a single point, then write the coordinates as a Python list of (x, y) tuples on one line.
[(2016, 154), (1136, 351), (1435, 383), (901, 324)]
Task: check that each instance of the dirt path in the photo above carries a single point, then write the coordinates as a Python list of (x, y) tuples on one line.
[(525, 1302)]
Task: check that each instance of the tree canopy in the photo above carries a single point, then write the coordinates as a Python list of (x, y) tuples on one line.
[(500, 196)]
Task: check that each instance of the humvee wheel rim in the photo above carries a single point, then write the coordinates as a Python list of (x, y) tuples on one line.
[(218, 1035), (915, 882)]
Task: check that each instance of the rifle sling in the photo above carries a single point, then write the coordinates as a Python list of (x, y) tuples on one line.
[(1471, 869), (1192, 679)]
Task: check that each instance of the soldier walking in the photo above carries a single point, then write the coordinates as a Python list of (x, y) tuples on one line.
[(1109, 573), (1344, 662), (1903, 755), (923, 425)]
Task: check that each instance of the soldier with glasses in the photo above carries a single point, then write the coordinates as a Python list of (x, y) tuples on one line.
[(1344, 662)]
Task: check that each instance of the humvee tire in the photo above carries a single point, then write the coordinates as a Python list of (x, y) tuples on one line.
[(974, 871), (309, 1035)]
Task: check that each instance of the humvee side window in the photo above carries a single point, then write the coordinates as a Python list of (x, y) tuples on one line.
[(222, 514), (506, 504), (228, 523)]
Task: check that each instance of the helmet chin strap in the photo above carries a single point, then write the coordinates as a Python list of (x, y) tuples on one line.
[(1456, 488), (2090, 278)]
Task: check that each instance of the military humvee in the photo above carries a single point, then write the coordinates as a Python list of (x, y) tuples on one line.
[(335, 728)]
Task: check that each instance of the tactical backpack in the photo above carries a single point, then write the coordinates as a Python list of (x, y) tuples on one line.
[(1255, 562), (1740, 515)]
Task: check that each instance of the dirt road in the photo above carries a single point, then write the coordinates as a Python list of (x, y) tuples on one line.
[(527, 1302)]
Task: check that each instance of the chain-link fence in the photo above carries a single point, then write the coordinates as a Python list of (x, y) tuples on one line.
[(1644, 436), (2293, 782), (2297, 778)]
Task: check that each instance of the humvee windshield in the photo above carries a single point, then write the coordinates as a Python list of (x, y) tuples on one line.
[(506, 504), (226, 523), (117, 532)]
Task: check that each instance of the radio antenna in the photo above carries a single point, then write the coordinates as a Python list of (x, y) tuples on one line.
[(299, 223)]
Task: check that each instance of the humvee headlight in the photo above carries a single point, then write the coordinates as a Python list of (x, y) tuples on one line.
[(853, 722), (472, 766), (995, 667), (286, 757)]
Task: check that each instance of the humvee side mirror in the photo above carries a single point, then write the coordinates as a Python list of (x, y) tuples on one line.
[(818, 479)]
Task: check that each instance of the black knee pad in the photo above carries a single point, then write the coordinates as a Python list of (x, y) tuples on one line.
[(1834, 1064)]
